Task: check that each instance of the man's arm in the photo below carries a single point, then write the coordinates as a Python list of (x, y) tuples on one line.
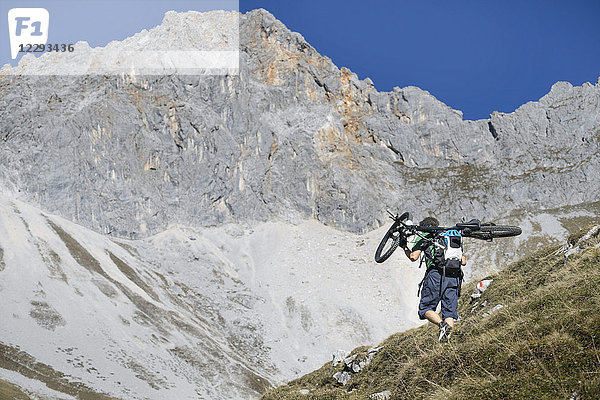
[(412, 255), (464, 260)]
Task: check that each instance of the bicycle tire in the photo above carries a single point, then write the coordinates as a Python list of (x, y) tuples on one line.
[(488, 232), (379, 258)]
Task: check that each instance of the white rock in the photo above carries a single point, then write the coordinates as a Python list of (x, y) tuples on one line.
[(493, 310), (385, 395), (338, 357), (348, 361), (342, 377)]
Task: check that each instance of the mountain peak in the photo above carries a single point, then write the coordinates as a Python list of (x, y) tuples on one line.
[(184, 43)]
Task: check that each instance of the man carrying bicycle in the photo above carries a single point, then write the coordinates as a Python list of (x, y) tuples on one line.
[(439, 284), (441, 250)]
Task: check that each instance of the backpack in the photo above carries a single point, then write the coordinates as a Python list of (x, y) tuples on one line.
[(448, 257), (451, 256)]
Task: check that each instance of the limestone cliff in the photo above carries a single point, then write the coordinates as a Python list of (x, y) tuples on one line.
[(292, 136)]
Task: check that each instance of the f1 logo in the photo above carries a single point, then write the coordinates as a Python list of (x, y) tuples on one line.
[(27, 26)]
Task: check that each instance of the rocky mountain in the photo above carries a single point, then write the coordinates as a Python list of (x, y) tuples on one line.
[(211, 235), (291, 136)]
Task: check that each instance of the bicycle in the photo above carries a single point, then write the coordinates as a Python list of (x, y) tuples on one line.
[(473, 228)]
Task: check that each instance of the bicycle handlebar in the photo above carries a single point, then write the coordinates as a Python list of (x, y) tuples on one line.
[(471, 226)]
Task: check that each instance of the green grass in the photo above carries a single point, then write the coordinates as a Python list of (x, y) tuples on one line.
[(544, 343)]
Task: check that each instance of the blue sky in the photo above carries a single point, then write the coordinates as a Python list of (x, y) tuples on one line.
[(474, 55)]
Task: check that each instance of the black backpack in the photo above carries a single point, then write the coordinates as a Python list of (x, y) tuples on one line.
[(446, 255)]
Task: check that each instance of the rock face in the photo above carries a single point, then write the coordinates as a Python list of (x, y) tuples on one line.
[(291, 136)]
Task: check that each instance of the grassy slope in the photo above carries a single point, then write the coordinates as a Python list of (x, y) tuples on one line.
[(10, 391), (544, 343)]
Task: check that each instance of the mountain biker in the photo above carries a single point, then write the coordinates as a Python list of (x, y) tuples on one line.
[(436, 287)]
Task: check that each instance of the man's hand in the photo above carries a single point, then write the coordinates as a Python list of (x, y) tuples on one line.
[(413, 255), (409, 227), (403, 237)]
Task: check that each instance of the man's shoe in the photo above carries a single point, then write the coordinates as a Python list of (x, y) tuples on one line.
[(444, 332)]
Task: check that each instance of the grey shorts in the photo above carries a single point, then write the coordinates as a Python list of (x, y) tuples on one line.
[(430, 294)]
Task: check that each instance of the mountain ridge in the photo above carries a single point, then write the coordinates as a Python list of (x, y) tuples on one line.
[(352, 151)]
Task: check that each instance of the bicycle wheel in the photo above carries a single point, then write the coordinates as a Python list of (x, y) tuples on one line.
[(489, 232), (391, 239)]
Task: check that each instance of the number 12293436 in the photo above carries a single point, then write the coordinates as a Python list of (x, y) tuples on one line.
[(41, 48)]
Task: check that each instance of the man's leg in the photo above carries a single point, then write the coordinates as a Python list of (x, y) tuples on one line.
[(450, 300), (445, 328), (433, 317), (430, 297)]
